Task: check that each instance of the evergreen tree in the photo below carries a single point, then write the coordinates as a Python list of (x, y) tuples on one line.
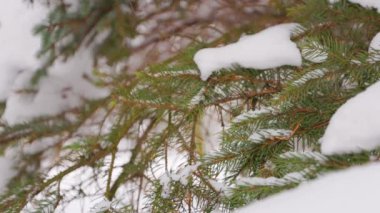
[(119, 149)]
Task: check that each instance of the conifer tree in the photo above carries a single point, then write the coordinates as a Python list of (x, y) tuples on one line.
[(117, 152)]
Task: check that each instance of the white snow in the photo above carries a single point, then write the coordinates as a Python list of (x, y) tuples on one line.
[(17, 53), (165, 183), (65, 86), (198, 97), (263, 134), (254, 114), (211, 129), (219, 186), (184, 174), (368, 3), (176, 73), (102, 206), (18, 45), (350, 191), (136, 41), (181, 175), (267, 49), (315, 53), (8, 162), (364, 3), (314, 74), (355, 125), (374, 49), (294, 177), (305, 156)]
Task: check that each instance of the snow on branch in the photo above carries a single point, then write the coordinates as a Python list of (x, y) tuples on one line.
[(350, 191), (294, 177), (305, 155), (267, 49)]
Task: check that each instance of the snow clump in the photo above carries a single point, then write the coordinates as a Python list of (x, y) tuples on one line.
[(267, 49)]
